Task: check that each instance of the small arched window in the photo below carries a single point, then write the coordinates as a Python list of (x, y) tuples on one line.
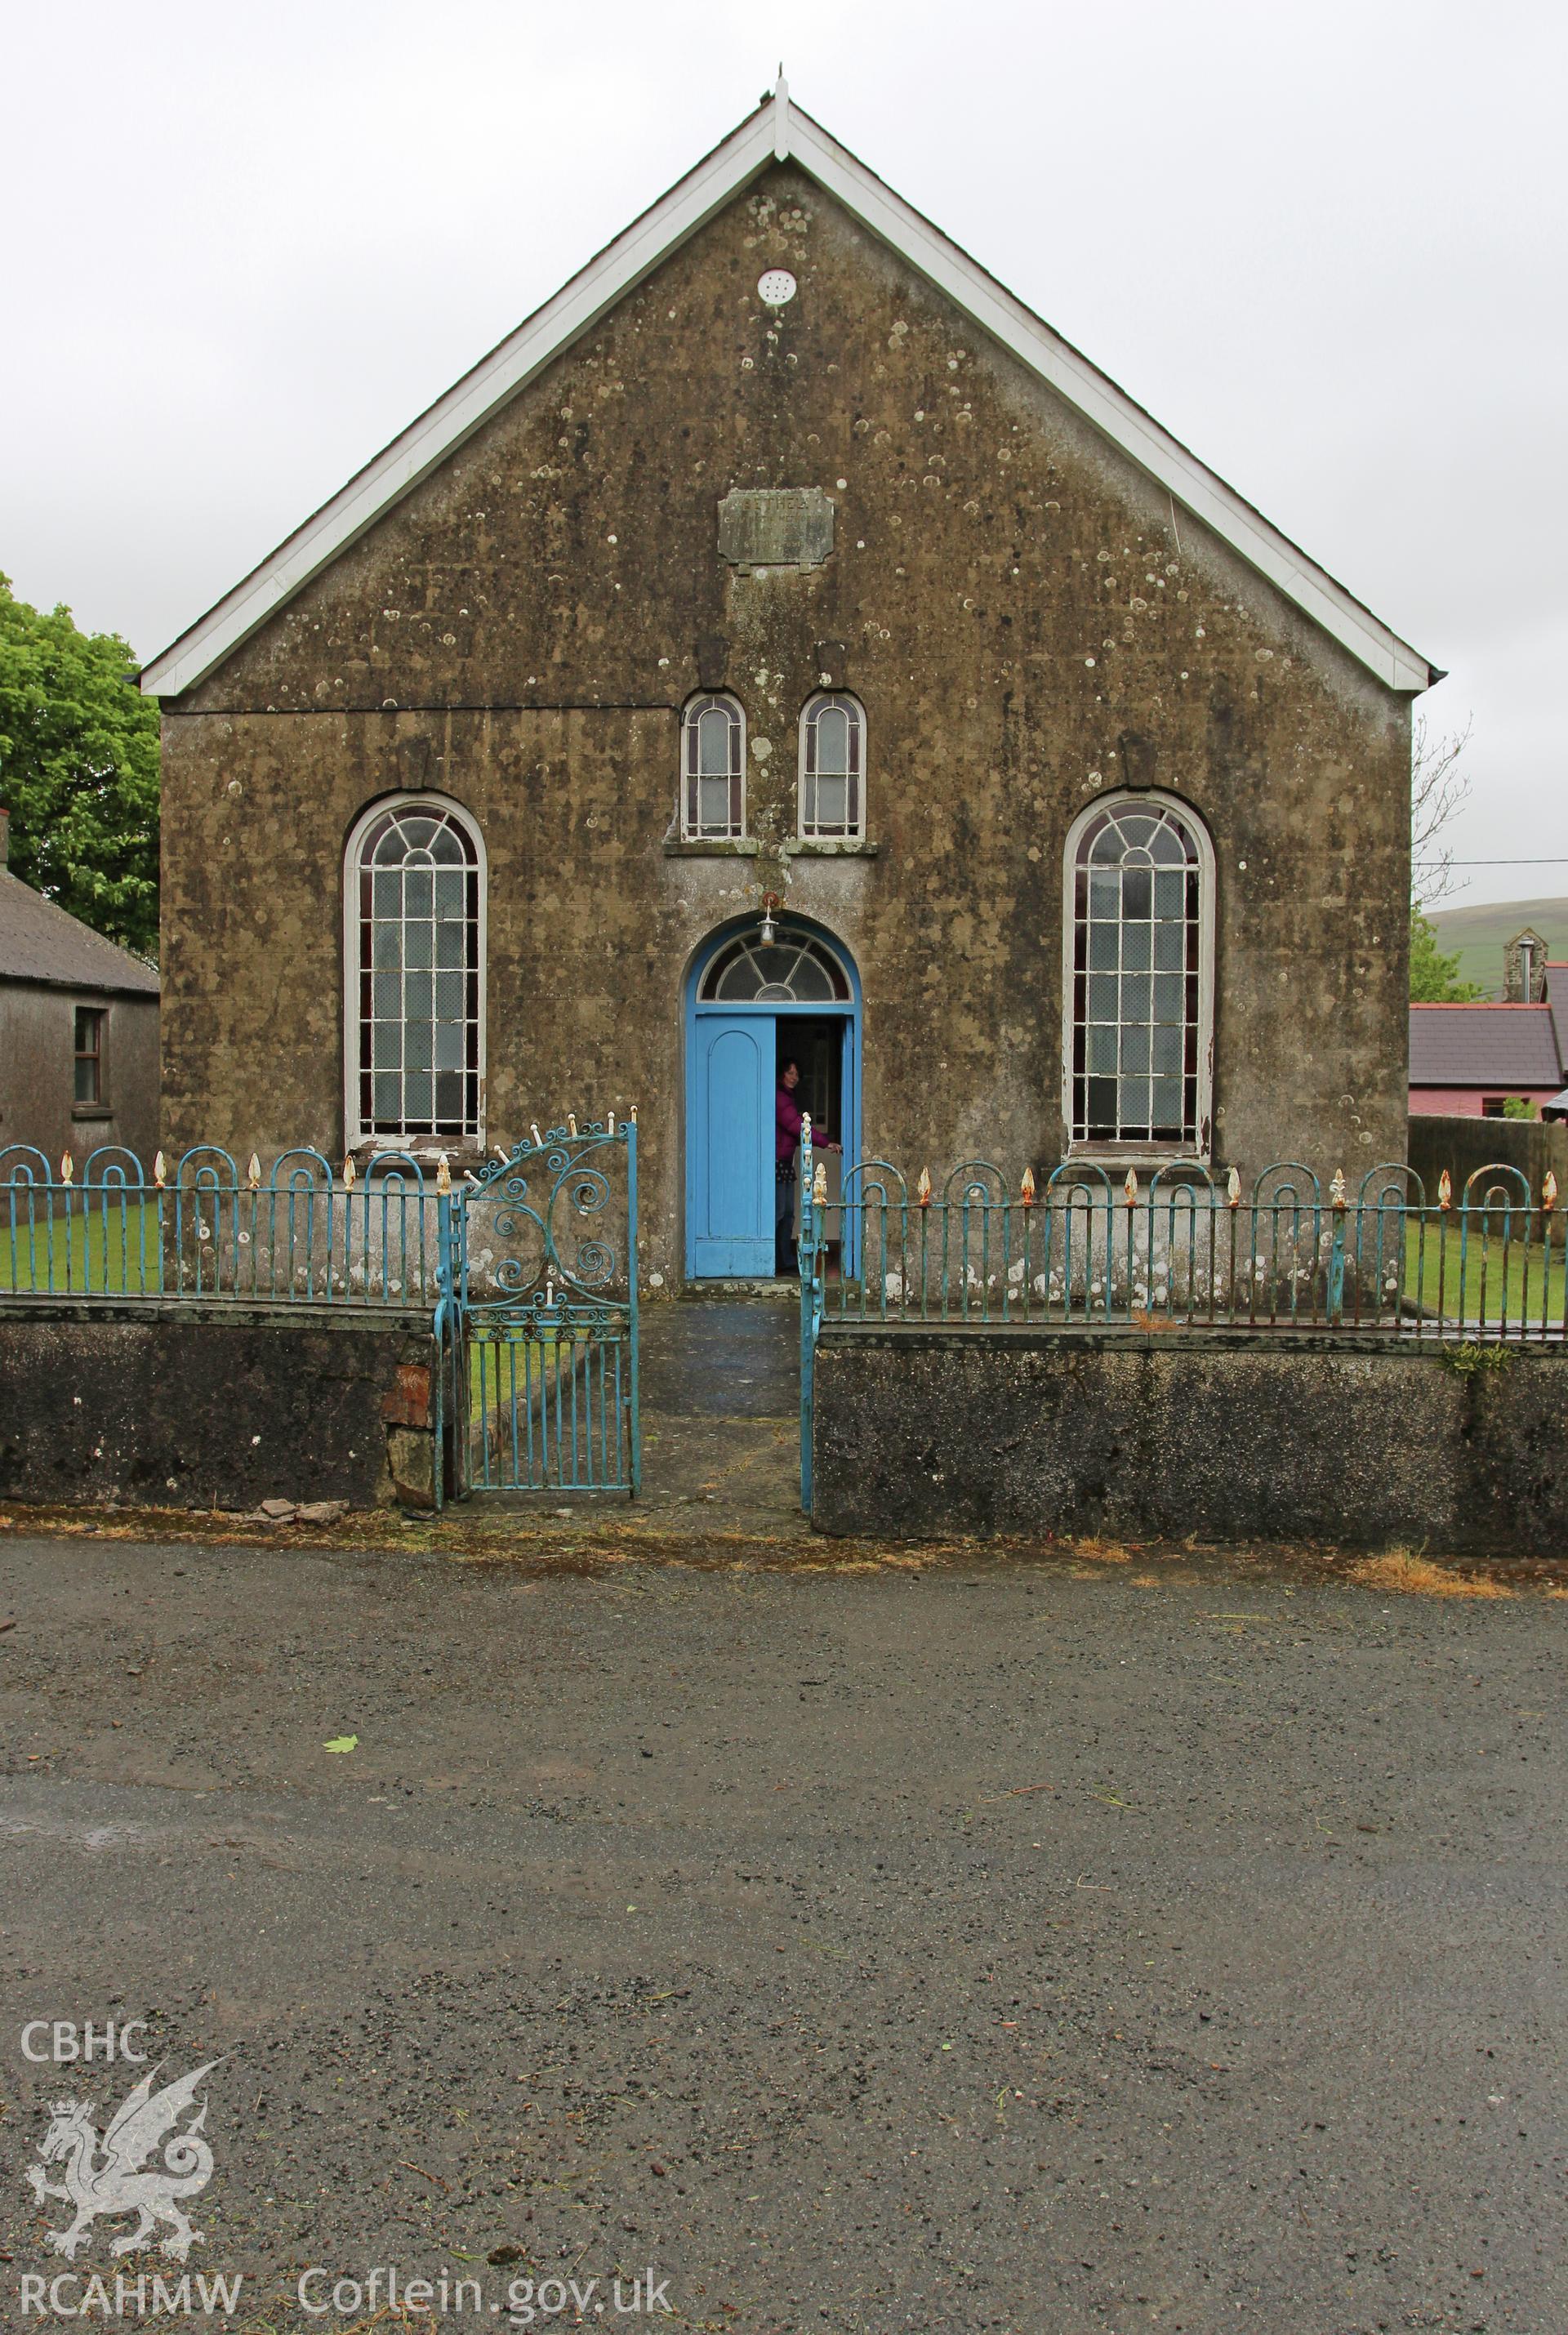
[(1140, 976), (414, 904), (833, 768), (712, 769)]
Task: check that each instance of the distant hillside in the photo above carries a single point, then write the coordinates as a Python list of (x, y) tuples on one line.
[(1479, 933)]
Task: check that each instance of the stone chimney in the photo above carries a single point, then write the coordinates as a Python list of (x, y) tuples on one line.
[(1525, 968)]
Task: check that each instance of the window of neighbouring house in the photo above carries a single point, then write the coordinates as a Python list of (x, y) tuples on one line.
[(415, 903), (1492, 1106), (713, 770), (833, 768), (1139, 1003), (89, 1045)]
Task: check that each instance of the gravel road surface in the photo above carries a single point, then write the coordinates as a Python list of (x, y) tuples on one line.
[(1074, 1944)]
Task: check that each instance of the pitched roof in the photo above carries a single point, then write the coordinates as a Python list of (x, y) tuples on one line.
[(41, 942), (779, 131), (1505, 1047)]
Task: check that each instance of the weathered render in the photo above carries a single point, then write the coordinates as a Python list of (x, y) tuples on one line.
[(1026, 617), (1360, 1439), (183, 1407)]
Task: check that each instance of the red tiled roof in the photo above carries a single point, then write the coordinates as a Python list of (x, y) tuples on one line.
[(1510, 1048)]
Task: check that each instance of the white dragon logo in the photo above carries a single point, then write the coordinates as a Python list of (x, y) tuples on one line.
[(119, 2181)]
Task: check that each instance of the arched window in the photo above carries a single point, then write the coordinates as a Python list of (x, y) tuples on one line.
[(1140, 976), (833, 768), (415, 912), (712, 769), (793, 969)]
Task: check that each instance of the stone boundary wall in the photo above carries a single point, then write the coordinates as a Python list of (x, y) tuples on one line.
[(217, 1407), (1362, 1440)]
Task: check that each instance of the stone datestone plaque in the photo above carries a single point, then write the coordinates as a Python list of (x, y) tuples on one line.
[(774, 526)]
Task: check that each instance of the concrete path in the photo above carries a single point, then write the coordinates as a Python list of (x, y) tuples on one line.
[(720, 1389)]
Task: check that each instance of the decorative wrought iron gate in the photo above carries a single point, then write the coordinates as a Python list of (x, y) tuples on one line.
[(537, 1330)]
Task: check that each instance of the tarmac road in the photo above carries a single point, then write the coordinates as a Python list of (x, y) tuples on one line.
[(1053, 1946)]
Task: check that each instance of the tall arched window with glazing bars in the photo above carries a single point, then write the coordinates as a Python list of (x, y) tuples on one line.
[(833, 768), (712, 769), (415, 902), (1139, 978)]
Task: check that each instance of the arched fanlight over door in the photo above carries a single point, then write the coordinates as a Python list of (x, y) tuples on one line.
[(793, 969)]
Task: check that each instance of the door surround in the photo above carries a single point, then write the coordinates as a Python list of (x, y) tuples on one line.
[(695, 1008)]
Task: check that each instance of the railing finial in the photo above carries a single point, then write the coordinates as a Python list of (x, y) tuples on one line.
[(67, 1168), (443, 1173), (1234, 1189), (348, 1173), (923, 1189), (1445, 1190), (1026, 1189), (159, 1170), (1129, 1189), (1338, 1197), (253, 1173), (1549, 1192), (819, 1185)]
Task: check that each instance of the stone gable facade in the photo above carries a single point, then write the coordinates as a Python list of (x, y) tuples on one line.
[(1029, 622)]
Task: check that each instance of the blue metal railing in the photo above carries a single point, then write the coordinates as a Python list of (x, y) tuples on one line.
[(200, 1227)]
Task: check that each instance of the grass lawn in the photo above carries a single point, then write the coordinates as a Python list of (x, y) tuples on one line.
[(1512, 1277), (109, 1251)]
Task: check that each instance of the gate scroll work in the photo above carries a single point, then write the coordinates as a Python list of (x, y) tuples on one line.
[(536, 1328)]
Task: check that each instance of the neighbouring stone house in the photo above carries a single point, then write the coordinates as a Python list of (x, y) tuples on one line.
[(77, 1034), (785, 565)]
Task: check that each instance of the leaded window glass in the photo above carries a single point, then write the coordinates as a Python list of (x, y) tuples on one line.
[(792, 969), (832, 768), (419, 882), (713, 767), (1136, 1006)]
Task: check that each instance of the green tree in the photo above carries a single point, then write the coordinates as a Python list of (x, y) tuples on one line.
[(78, 771), (1435, 977)]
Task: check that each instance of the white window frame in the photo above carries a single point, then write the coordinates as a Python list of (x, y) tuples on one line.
[(356, 1134), (810, 834), (1131, 1152), (691, 713)]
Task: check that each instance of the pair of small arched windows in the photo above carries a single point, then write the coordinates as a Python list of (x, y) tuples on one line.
[(831, 769)]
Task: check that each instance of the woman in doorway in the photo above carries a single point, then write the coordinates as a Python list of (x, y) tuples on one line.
[(787, 1123)]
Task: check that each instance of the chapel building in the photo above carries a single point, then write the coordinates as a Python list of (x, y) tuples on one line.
[(785, 645)]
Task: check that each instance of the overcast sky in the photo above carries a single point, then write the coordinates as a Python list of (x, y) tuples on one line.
[(1327, 244)]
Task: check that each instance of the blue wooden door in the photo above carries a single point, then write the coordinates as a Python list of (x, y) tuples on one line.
[(730, 1187)]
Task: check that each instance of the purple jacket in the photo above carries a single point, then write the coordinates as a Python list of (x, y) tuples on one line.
[(787, 1118)]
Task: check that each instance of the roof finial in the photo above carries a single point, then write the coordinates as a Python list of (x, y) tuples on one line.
[(780, 116)]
